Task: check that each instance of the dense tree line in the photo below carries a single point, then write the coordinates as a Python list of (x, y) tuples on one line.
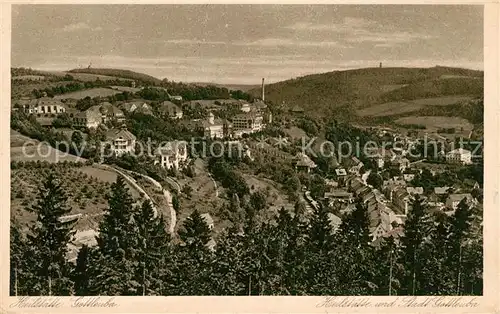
[(188, 92), (292, 254)]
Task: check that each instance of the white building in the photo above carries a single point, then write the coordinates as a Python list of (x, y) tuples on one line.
[(89, 118), (248, 122), (44, 107), (215, 128), (459, 155), (173, 155), (120, 141)]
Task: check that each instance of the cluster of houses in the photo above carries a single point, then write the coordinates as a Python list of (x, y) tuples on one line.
[(252, 118), (389, 205)]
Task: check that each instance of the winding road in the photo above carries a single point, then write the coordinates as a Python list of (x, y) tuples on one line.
[(166, 193)]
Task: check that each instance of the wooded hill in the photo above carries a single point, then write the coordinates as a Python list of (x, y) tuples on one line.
[(120, 73)]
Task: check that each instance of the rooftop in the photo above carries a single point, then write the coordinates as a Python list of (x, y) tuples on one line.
[(113, 134)]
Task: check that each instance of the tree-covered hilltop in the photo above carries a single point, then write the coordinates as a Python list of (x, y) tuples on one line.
[(360, 88), (141, 77), (294, 253)]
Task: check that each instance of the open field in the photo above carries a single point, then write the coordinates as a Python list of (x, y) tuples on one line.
[(93, 92), (126, 89), (85, 186), (400, 107), (391, 87), (432, 124), (23, 148), (24, 89)]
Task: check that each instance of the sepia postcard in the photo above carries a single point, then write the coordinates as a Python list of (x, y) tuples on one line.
[(249, 158)]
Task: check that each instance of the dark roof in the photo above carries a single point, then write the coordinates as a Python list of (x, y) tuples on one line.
[(117, 133), (169, 105), (460, 197)]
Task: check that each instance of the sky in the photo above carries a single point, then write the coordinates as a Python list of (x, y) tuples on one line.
[(240, 44)]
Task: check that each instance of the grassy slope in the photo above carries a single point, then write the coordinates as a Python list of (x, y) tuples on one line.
[(320, 93), (242, 87), (119, 73)]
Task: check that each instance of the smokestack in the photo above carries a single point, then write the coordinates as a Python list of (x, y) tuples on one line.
[(380, 64), (263, 90)]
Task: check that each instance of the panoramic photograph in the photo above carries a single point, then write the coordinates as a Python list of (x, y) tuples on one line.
[(246, 150)]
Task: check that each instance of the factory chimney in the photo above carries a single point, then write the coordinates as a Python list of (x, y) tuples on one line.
[(263, 94)]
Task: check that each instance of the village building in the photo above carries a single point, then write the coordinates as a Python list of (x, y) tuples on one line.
[(415, 190), (331, 184), (135, 106), (408, 177), (459, 155), (111, 113), (44, 107), (454, 199), (90, 118), (244, 106), (439, 195), (400, 197), (401, 163), (259, 104), (170, 110), (176, 98), (297, 109), (120, 141), (339, 195), (380, 156), (303, 162), (248, 122), (341, 175), (354, 165), (215, 128), (172, 155), (441, 190)]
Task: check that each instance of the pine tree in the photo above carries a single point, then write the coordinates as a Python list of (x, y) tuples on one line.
[(458, 238), (195, 232), (417, 229), (230, 276), (193, 258), (81, 272), (356, 254), (47, 242), (117, 258), (437, 270), (321, 277), (17, 265), (153, 250)]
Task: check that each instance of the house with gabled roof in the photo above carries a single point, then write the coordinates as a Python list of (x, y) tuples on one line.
[(170, 110), (111, 113), (120, 141), (172, 154), (454, 199), (303, 162)]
